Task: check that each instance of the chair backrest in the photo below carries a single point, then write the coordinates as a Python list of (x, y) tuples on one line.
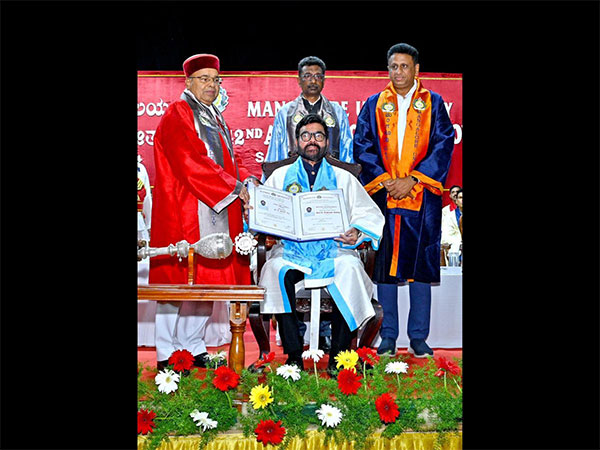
[(269, 167)]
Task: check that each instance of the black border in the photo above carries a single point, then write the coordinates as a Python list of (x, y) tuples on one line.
[(530, 72)]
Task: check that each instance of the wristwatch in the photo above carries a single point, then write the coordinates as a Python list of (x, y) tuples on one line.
[(415, 178)]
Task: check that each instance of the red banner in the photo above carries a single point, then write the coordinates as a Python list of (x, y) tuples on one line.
[(250, 100)]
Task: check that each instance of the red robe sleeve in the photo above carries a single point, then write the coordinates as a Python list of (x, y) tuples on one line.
[(177, 140)]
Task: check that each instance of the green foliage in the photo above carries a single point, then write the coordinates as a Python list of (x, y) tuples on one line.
[(173, 409), (360, 419), (425, 402)]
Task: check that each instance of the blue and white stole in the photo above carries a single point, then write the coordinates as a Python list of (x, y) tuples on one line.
[(316, 255)]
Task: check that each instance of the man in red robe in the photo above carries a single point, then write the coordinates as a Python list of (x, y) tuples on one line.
[(197, 192)]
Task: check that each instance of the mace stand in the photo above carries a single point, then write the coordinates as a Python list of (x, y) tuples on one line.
[(238, 296)]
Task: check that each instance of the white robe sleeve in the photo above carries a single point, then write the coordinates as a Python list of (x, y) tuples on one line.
[(364, 213)]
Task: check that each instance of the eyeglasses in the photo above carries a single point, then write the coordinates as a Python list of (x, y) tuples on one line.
[(316, 76), (205, 80), (319, 137)]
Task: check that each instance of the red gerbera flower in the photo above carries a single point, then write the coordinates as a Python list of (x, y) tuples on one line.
[(368, 355), (448, 366), (348, 381), (269, 432), (439, 373), (270, 357), (387, 408), (225, 378), (145, 422), (181, 360)]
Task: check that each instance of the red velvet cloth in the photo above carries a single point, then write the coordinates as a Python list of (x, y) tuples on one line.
[(184, 174), (200, 61)]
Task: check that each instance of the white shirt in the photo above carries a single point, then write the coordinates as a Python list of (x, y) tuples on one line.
[(403, 105)]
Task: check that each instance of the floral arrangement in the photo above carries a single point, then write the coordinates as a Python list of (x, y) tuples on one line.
[(369, 393)]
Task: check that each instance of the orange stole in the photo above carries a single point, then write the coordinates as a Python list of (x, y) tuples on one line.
[(414, 149), (394, 263), (415, 143)]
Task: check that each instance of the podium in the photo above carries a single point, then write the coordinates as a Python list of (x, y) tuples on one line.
[(237, 295)]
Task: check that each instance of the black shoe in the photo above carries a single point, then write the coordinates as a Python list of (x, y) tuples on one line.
[(201, 360), (325, 343), (388, 345), (419, 348), (161, 365), (253, 368), (296, 360)]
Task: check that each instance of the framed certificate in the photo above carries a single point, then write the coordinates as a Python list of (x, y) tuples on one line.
[(304, 216)]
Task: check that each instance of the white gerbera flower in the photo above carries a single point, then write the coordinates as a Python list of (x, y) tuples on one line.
[(167, 381), (203, 420), (289, 371), (315, 355), (396, 367), (329, 415), (217, 356)]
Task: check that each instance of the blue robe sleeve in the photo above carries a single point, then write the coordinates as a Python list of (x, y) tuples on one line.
[(346, 154), (436, 163), (366, 144), (278, 146)]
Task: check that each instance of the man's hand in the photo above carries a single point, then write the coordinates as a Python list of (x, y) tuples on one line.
[(244, 195), (398, 188), (349, 237)]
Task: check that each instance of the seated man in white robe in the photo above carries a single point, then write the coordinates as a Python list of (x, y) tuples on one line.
[(332, 263), (451, 233)]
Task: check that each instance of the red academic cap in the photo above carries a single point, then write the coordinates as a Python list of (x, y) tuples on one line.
[(200, 61)]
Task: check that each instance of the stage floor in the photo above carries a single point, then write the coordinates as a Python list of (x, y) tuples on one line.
[(147, 355)]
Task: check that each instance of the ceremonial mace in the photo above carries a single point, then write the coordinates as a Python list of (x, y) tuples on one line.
[(213, 246)]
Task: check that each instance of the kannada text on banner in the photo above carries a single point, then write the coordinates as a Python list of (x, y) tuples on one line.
[(250, 100)]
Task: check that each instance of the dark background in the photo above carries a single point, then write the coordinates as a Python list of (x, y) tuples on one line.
[(276, 35), (530, 167)]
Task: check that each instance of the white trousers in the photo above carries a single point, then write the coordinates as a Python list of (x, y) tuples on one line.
[(181, 325), (146, 308), (351, 287)]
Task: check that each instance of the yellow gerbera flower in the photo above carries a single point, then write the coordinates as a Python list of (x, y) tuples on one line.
[(260, 396), (347, 359)]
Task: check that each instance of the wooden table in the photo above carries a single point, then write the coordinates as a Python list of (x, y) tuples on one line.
[(237, 295)]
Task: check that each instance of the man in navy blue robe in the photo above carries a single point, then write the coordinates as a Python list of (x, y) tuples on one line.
[(404, 141)]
